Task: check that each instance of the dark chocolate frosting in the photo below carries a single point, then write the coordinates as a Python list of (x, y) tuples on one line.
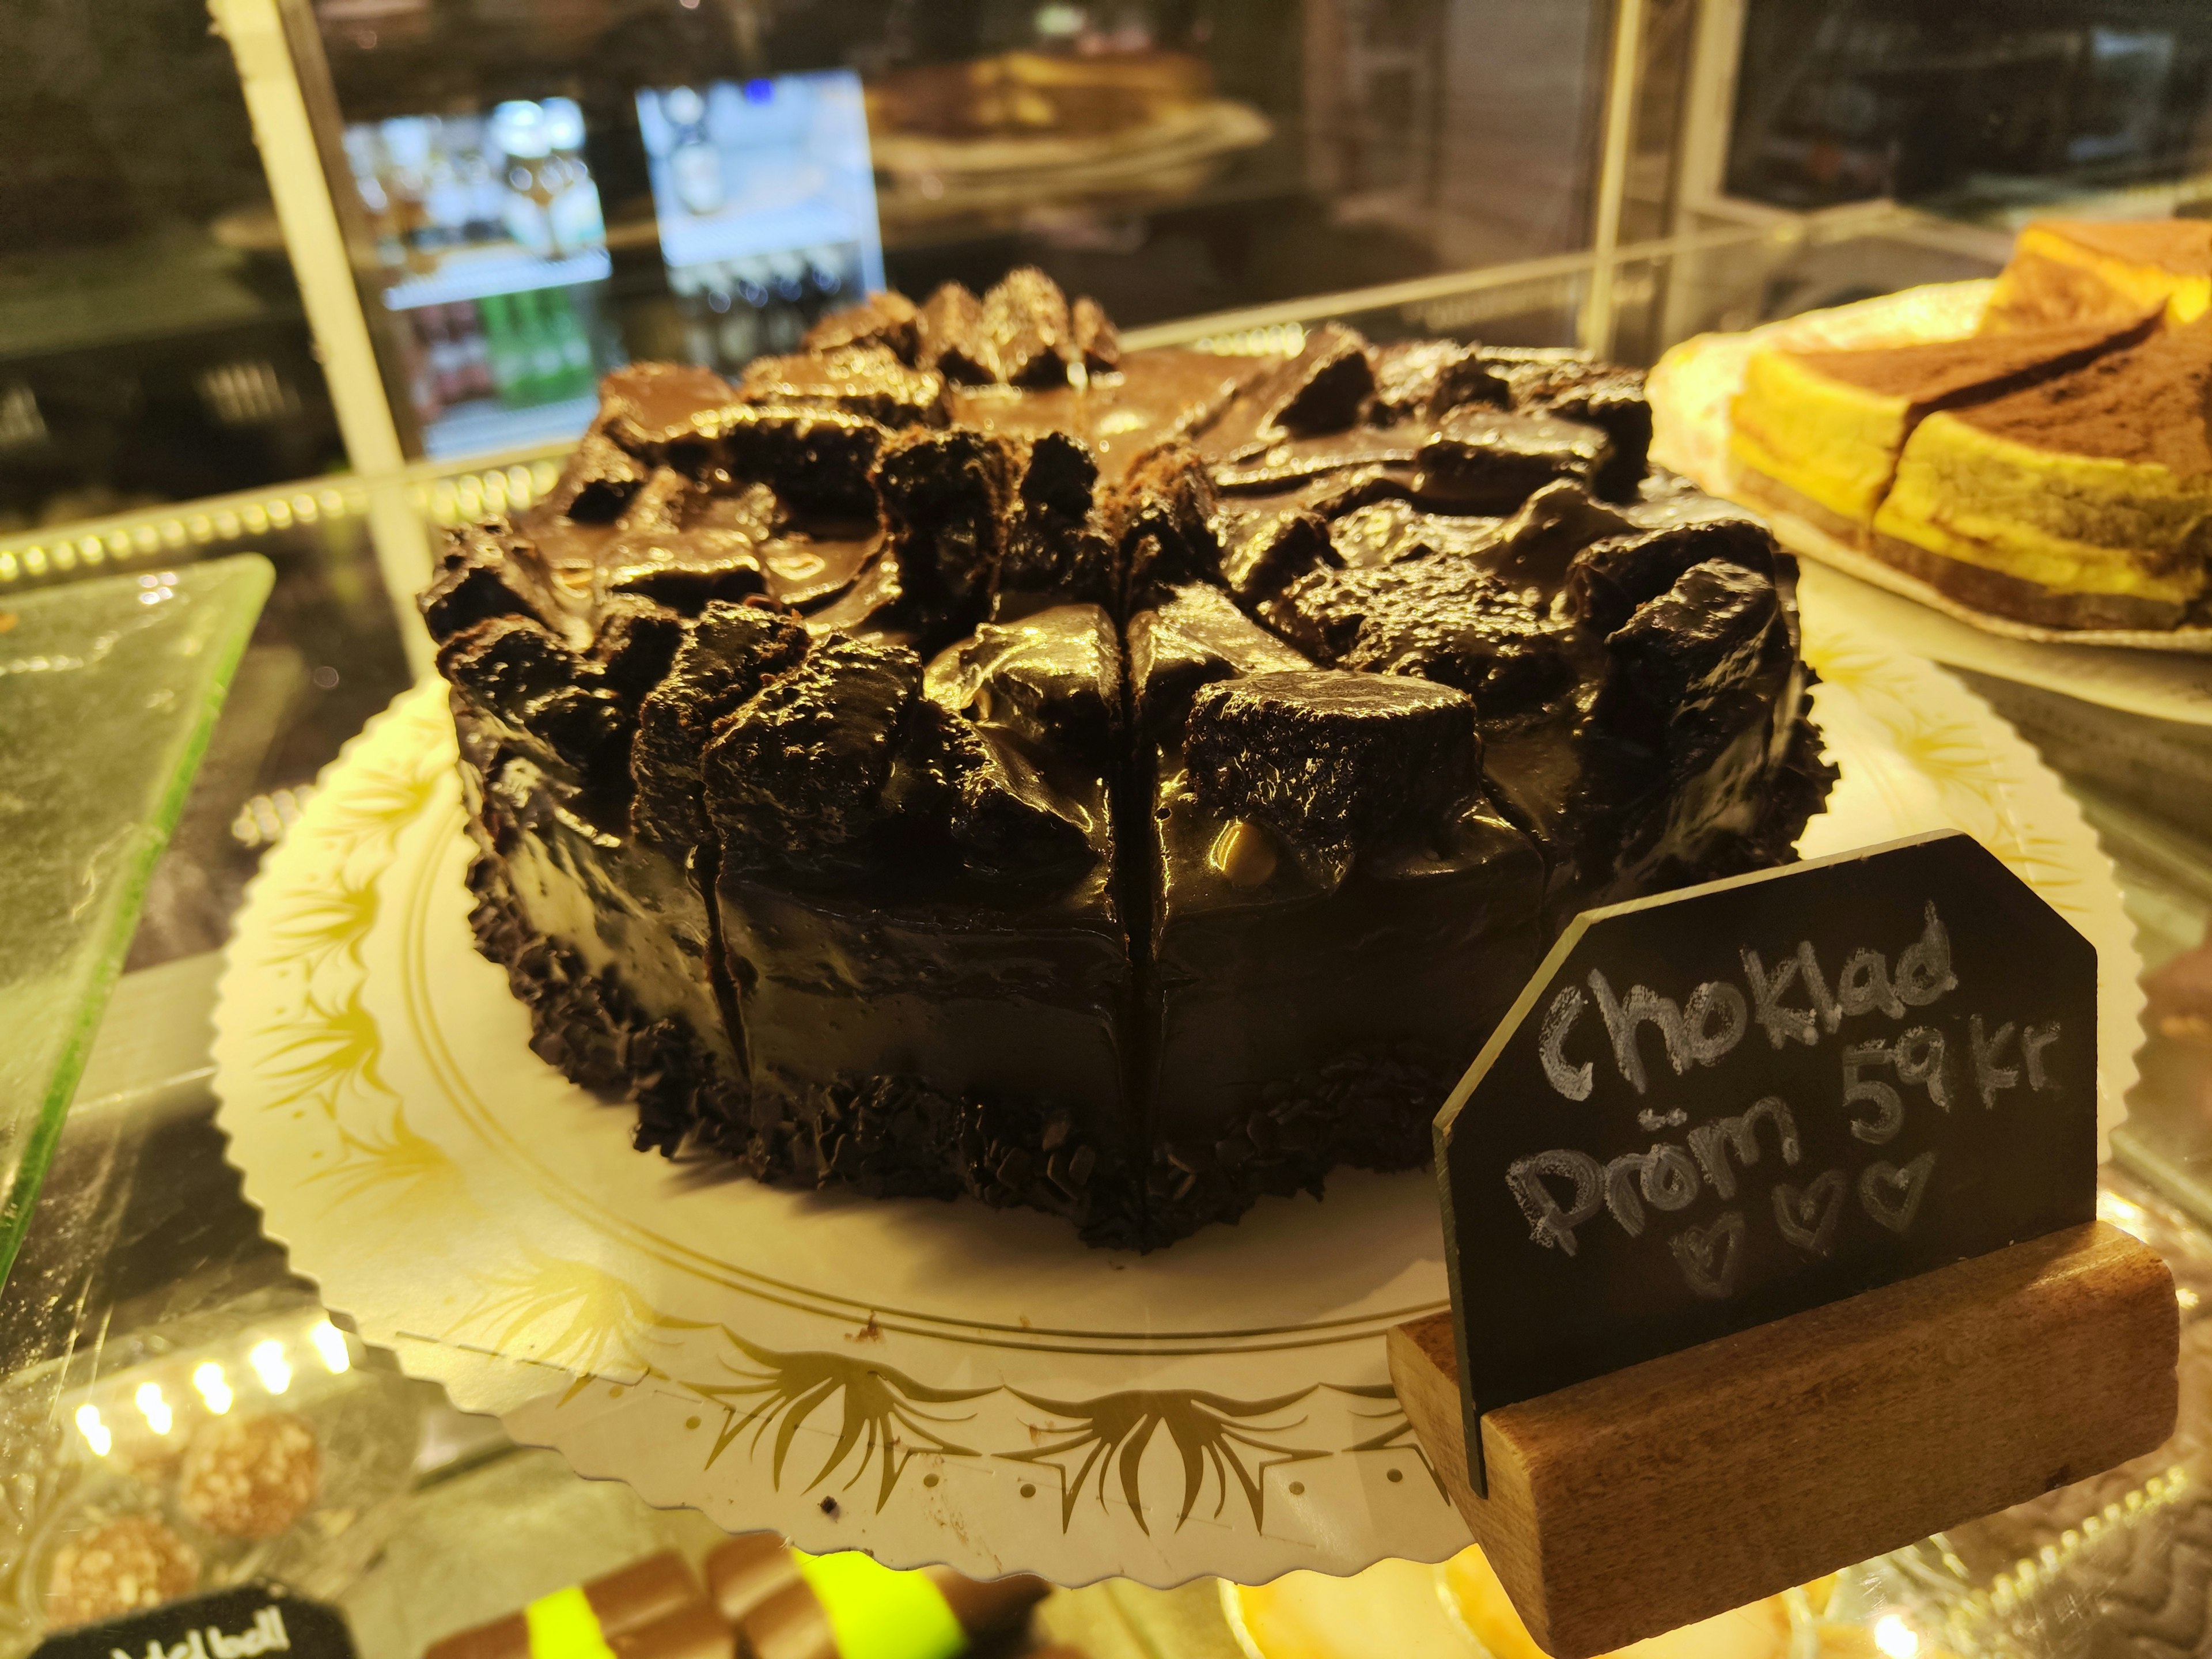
[(967, 758)]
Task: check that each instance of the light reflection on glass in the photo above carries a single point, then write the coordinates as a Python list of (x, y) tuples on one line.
[(209, 1380), (94, 1430), (1895, 1637), (153, 1408), (330, 1342), (269, 1365)]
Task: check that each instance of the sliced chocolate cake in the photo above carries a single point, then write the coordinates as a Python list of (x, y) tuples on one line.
[(968, 758)]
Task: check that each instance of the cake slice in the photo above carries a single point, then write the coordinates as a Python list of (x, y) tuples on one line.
[(2075, 270), (915, 879), (2081, 500), (1818, 433)]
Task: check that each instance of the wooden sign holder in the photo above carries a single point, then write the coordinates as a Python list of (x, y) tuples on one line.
[(1678, 1488)]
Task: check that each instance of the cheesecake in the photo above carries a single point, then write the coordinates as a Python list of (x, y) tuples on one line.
[(2079, 270), (2081, 500), (1819, 432)]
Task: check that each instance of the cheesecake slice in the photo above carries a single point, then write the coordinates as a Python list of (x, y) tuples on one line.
[(1818, 433), (2073, 271), (2082, 501)]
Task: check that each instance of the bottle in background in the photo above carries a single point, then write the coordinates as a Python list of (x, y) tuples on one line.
[(364, 155), (407, 157), (825, 281), (549, 367), (578, 222), (422, 375), (448, 357), (505, 354), (480, 166), (466, 326), (701, 323), (446, 196), (519, 125), (694, 166), (567, 331), (783, 323), (737, 326)]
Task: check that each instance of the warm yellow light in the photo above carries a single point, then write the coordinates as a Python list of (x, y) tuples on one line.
[(94, 1430), (269, 1365), (1895, 1637), (209, 1380), (153, 1408), (330, 1342)]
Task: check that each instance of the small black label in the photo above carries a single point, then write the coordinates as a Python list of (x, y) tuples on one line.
[(250, 1622), (1725, 1105)]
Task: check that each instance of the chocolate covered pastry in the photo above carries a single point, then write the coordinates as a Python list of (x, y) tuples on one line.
[(968, 758), (786, 1604), (762, 1599)]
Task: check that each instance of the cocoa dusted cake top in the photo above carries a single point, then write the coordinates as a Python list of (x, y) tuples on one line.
[(2151, 402), (1934, 375)]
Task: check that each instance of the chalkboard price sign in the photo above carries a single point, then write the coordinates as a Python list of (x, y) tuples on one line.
[(1725, 1105)]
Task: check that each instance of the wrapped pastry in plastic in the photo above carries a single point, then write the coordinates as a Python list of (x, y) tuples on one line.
[(255, 1444)]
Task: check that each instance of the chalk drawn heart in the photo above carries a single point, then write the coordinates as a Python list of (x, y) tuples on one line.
[(1808, 1216), (1891, 1195), (1712, 1257)]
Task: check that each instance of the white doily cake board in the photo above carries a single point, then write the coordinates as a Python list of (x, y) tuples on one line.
[(2167, 676), (932, 1381)]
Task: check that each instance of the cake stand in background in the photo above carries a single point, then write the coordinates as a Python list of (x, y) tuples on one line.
[(930, 1382)]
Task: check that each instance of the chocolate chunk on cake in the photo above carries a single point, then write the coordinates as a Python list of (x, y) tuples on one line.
[(968, 759)]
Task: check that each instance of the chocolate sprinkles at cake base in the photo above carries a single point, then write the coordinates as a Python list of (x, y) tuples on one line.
[(967, 759)]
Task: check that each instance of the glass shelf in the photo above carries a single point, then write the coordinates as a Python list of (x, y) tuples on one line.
[(108, 692)]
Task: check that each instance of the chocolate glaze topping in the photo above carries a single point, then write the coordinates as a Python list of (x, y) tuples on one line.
[(966, 758)]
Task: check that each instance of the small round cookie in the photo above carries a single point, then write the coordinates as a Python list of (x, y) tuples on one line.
[(124, 1566), (251, 1477)]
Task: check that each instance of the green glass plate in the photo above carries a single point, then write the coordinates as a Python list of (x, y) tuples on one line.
[(108, 690)]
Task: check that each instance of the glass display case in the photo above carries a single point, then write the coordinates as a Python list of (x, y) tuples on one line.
[(153, 344), (388, 323)]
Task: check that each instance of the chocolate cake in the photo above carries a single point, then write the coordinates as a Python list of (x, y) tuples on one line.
[(967, 758)]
